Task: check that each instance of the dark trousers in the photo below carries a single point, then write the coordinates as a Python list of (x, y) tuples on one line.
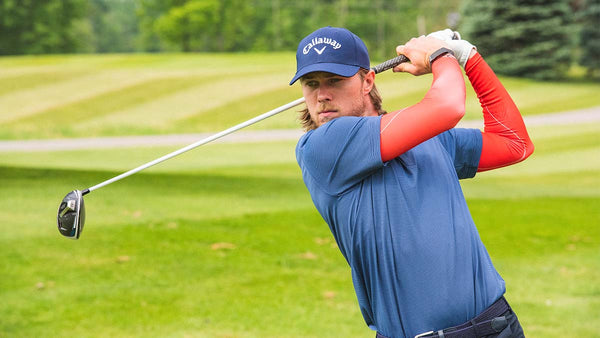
[(497, 321)]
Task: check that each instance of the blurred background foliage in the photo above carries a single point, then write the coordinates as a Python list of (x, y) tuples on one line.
[(534, 38)]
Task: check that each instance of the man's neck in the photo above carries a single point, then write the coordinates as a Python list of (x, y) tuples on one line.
[(370, 109)]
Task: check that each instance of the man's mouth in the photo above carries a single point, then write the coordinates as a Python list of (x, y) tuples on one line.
[(326, 113)]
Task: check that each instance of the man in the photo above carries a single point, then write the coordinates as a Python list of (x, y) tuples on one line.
[(387, 184)]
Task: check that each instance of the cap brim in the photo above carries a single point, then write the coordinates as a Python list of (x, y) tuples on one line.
[(334, 68)]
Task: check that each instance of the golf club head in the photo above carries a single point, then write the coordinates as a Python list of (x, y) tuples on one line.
[(71, 215)]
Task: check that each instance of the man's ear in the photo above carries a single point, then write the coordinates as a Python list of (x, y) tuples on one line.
[(368, 82)]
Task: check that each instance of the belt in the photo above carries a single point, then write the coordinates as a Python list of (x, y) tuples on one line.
[(491, 320)]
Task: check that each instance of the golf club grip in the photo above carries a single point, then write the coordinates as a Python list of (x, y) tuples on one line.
[(391, 63)]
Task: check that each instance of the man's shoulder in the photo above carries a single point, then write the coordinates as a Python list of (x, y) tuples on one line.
[(339, 131), (342, 125)]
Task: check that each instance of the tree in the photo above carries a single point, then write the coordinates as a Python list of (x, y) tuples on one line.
[(235, 30), (272, 25), (36, 27), (590, 37), (189, 24), (527, 38), (148, 12), (114, 25)]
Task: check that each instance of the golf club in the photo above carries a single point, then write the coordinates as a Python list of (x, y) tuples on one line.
[(71, 211)]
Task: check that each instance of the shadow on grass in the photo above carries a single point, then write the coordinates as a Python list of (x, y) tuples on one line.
[(202, 182)]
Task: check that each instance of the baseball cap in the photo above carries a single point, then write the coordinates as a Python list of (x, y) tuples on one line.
[(333, 50)]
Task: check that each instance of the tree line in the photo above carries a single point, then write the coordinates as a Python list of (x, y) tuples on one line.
[(552, 29)]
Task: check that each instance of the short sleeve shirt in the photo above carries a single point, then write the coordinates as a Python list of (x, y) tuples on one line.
[(417, 261)]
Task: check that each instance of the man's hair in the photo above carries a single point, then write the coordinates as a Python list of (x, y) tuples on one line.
[(309, 124)]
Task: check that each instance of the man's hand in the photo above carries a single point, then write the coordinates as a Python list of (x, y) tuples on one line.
[(418, 50), (462, 49)]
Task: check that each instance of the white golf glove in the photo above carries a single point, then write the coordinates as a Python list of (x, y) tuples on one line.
[(461, 48)]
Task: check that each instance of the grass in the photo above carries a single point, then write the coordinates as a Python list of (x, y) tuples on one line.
[(237, 252), (224, 241), (108, 95)]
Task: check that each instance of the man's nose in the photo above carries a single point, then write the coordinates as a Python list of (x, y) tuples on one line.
[(324, 93)]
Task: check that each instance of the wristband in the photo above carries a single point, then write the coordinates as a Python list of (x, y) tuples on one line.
[(435, 55)]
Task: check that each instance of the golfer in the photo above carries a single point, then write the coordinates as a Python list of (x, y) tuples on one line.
[(387, 184)]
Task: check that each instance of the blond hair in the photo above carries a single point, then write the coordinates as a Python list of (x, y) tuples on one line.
[(307, 122)]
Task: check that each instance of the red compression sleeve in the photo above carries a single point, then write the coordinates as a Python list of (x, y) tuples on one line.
[(441, 109), (505, 138)]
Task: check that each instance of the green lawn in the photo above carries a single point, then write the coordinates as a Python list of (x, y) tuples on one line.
[(224, 241), (107, 95)]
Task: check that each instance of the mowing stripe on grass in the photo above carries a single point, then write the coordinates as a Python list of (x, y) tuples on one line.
[(534, 97), (18, 82), (162, 115), (67, 116), (66, 81), (36, 100), (147, 106), (244, 108), (580, 183)]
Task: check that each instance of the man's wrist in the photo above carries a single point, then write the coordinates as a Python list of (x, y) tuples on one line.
[(438, 53), (472, 53)]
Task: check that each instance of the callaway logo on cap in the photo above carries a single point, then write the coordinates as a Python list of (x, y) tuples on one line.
[(318, 41), (333, 50)]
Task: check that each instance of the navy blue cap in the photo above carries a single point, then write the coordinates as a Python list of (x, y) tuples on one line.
[(333, 50)]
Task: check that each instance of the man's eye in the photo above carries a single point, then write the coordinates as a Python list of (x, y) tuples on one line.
[(334, 80), (312, 84)]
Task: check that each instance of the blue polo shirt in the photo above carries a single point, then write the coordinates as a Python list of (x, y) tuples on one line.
[(417, 261)]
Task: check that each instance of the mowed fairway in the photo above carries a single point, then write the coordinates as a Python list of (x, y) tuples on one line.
[(224, 241), (107, 95)]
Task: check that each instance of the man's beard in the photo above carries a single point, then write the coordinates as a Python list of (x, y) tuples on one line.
[(357, 110), (360, 109)]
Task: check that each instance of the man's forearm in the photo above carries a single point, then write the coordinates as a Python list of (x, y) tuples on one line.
[(505, 137), (441, 109)]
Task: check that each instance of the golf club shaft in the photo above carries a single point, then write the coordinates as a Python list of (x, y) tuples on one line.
[(197, 144), (378, 69)]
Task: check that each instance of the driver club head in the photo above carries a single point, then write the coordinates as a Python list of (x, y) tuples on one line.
[(71, 215)]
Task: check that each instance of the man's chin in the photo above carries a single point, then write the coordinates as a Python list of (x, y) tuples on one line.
[(324, 118)]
